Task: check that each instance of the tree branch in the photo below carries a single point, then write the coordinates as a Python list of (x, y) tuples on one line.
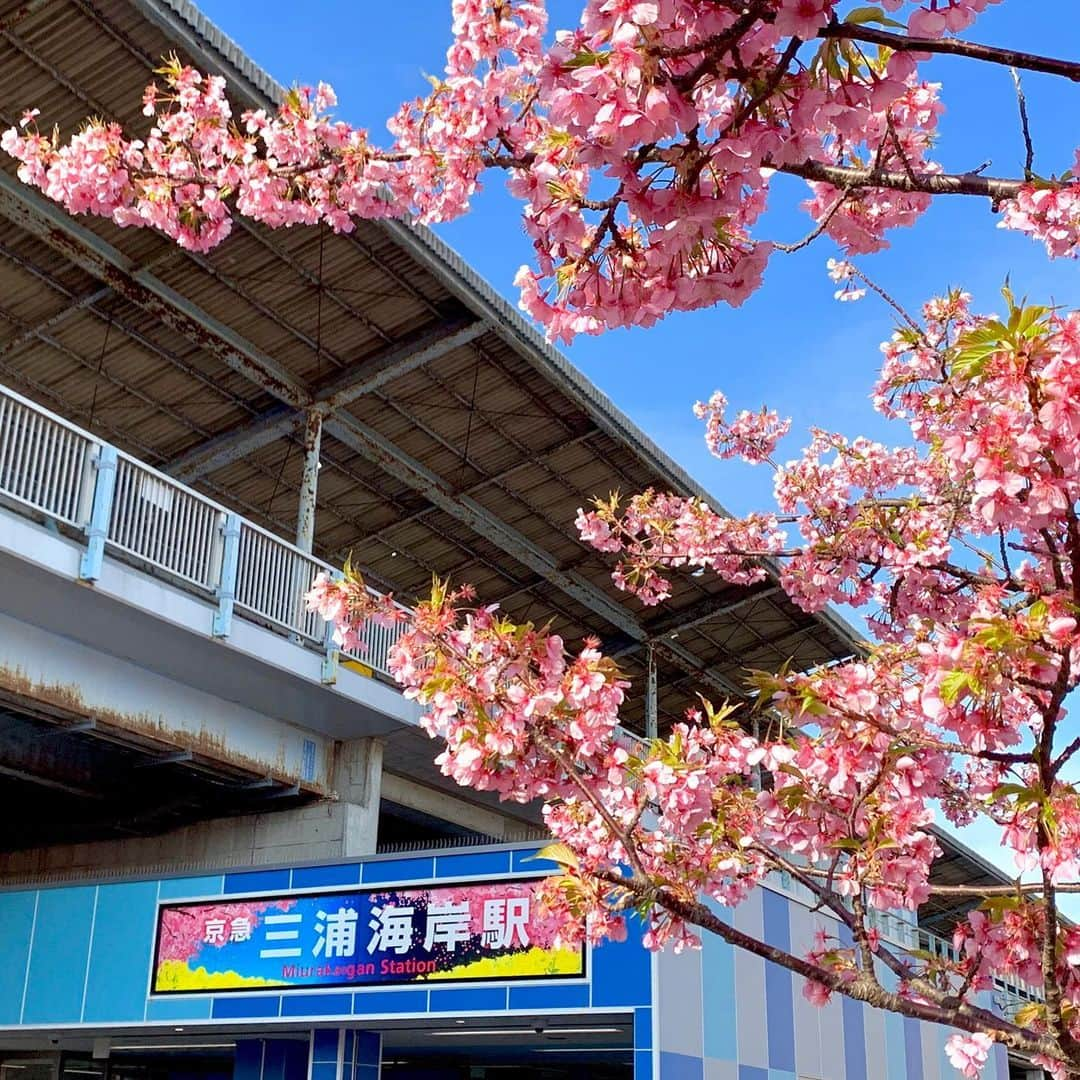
[(863, 987), (991, 54), (1025, 125), (994, 188)]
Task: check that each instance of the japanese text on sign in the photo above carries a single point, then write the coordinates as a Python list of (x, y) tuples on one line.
[(491, 930)]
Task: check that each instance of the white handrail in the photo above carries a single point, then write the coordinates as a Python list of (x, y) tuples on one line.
[(156, 522)]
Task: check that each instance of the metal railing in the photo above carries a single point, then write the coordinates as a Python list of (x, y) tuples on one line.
[(142, 516), (44, 461)]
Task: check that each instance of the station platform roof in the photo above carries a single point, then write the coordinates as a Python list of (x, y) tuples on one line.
[(460, 442)]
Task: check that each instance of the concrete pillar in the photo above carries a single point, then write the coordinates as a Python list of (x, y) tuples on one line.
[(309, 484), (358, 783)]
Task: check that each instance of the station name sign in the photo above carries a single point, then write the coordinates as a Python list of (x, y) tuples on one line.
[(471, 932)]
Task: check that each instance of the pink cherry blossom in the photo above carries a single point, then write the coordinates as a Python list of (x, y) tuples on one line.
[(640, 144)]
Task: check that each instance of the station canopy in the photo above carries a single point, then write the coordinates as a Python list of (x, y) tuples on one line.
[(460, 443)]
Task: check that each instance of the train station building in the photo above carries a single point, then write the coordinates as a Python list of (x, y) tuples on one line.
[(226, 851)]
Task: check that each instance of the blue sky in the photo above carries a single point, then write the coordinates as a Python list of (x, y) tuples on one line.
[(791, 345)]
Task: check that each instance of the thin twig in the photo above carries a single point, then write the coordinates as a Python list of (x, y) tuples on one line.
[(814, 233), (1025, 127)]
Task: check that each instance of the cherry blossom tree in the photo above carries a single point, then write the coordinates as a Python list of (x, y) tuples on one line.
[(964, 544), (643, 145)]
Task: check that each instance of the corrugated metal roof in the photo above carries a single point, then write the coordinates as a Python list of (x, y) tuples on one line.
[(471, 464)]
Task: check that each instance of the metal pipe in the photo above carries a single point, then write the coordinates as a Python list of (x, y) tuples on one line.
[(651, 725)]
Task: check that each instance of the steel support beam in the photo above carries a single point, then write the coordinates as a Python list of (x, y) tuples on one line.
[(397, 360), (234, 445), (678, 621), (377, 449), (56, 228), (309, 483), (652, 726), (363, 378)]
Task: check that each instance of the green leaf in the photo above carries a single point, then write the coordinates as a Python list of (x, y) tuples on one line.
[(1004, 791), (847, 843), (953, 685), (998, 905), (556, 853), (585, 58), (976, 346), (871, 14)]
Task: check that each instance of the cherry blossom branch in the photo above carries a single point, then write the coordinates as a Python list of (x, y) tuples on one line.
[(991, 54), (1025, 888), (862, 987), (814, 233), (997, 189)]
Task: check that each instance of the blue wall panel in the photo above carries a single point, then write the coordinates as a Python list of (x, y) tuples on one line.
[(377, 1002), (58, 958), (751, 1072), (854, 1039), (471, 999), (390, 870), (178, 1008), (123, 943), (643, 1021), (316, 1004), (913, 1048), (252, 881), (316, 877), (191, 887), (525, 862), (480, 864), (16, 928), (680, 1067), (567, 996), (622, 971), (718, 989), (241, 1006), (779, 1006)]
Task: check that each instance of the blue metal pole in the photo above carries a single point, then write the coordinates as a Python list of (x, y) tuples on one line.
[(97, 529), (230, 562), (331, 652)]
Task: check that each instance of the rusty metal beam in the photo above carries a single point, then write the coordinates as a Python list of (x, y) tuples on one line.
[(55, 228), (235, 444), (364, 378), (59, 231), (309, 481), (706, 610), (377, 449)]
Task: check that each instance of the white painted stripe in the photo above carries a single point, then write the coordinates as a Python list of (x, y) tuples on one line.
[(89, 951), (29, 957)]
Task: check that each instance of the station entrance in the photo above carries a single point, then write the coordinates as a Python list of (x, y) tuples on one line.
[(454, 1050)]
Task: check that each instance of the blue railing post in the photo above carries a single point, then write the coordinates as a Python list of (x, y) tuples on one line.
[(230, 562), (331, 652), (97, 528)]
